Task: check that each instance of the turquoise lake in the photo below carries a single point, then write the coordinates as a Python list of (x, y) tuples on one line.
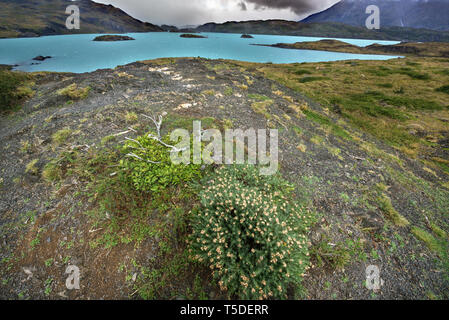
[(78, 53)]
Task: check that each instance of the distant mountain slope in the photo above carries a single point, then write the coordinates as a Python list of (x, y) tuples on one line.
[(29, 18), (325, 29), (427, 14)]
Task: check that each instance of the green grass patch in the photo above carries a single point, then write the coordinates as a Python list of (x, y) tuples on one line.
[(372, 101), (51, 172), (413, 74), (444, 72), (31, 167), (390, 212), (427, 238), (228, 91), (339, 255), (383, 71), (60, 137), (74, 93), (261, 107), (324, 121), (301, 72), (258, 97), (311, 79), (13, 89), (438, 231), (385, 85)]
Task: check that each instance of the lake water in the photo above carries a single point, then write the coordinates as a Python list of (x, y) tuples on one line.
[(78, 53)]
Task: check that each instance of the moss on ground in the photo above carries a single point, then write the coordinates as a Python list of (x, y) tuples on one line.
[(74, 92), (261, 107), (61, 136)]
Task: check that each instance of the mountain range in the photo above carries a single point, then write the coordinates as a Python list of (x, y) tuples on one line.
[(325, 29), (419, 14), (30, 18)]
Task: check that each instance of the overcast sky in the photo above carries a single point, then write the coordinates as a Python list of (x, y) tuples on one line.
[(194, 12)]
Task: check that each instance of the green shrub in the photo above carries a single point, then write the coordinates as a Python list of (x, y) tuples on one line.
[(385, 85), (146, 176), (413, 74), (310, 79), (11, 91), (301, 72), (250, 233), (444, 89)]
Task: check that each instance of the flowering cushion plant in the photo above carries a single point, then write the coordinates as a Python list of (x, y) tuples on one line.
[(250, 233)]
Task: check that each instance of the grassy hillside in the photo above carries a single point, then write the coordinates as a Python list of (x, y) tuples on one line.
[(25, 18), (403, 102)]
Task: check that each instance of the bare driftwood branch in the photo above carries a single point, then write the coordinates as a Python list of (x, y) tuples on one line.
[(158, 124), (133, 155), (157, 121)]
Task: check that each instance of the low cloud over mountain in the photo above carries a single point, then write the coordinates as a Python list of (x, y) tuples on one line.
[(427, 14)]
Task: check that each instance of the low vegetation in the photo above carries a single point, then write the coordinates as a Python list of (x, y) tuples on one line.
[(61, 136), (250, 234), (14, 88), (150, 167), (399, 101), (73, 92), (387, 208), (212, 232)]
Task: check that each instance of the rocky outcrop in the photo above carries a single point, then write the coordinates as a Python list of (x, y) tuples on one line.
[(41, 58)]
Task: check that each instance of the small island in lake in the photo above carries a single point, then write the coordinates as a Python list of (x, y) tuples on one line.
[(113, 38), (247, 36), (193, 36), (41, 58)]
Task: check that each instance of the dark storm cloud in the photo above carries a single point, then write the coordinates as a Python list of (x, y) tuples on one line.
[(298, 6)]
